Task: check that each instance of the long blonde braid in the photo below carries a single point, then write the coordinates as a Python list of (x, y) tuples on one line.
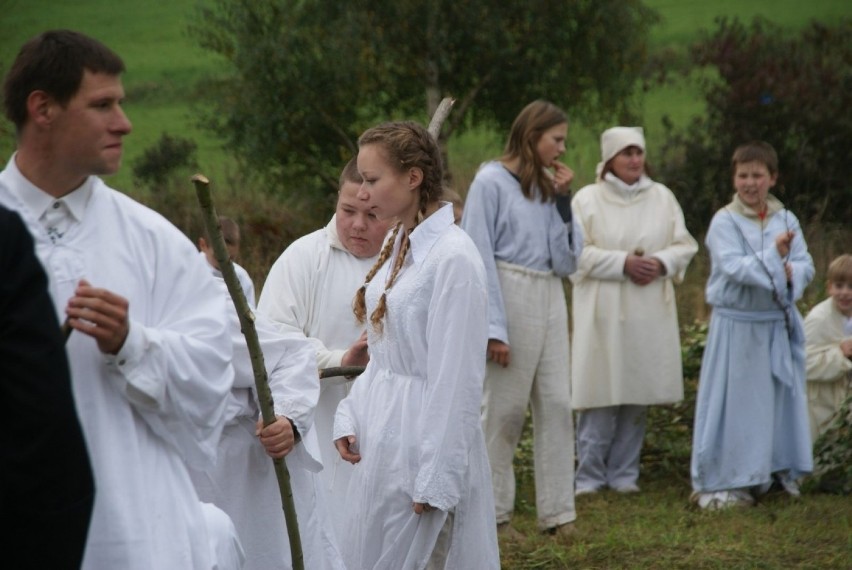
[(359, 303), (382, 307)]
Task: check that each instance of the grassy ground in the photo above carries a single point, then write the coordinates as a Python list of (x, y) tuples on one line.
[(660, 528)]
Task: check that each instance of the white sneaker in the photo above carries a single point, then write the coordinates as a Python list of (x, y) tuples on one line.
[(585, 491), (718, 500), (628, 489), (788, 483)]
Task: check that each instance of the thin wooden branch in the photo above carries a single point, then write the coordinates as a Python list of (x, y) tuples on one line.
[(264, 394), (441, 114), (341, 371)]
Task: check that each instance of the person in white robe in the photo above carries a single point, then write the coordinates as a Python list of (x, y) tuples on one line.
[(828, 346), (626, 342), (243, 482), (420, 494), (518, 213), (231, 235), (751, 416), (309, 291), (149, 349)]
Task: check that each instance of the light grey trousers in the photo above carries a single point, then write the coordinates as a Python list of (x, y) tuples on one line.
[(538, 376), (609, 442)]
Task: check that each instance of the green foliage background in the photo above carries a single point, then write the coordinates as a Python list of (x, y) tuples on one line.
[(165, 65), (293, 105)]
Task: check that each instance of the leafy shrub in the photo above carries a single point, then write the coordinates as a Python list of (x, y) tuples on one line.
[(794, 92), (161, 161), (833, 455)]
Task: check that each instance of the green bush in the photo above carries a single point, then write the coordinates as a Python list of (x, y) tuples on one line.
[(163, 160), (793, 91), (833, 455)]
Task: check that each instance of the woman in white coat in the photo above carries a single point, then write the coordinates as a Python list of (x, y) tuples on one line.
[(626, 344)]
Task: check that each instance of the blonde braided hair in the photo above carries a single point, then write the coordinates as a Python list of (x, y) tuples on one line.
[(359, 304), (407, 145)]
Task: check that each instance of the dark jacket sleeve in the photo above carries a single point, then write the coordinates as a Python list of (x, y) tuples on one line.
[(46, 481)]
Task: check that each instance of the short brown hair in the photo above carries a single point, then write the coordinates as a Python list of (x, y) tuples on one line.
[(54, 62), (840, 270), (230, 231), (350, 174), (756, 151)]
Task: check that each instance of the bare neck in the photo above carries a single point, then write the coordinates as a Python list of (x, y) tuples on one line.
[(48, 172)]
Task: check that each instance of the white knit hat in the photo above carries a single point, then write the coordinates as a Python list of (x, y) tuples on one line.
[(616, 139)]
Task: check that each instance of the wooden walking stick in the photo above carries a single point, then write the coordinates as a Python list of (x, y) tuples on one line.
[(348, 371), (264, 394)]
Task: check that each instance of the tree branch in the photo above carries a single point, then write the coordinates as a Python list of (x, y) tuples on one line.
[(441, 114)]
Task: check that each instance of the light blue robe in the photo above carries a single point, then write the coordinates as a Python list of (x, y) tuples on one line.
[(751, 417)]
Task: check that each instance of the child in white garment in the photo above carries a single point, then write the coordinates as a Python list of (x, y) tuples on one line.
[(828, 338), (751, 419)]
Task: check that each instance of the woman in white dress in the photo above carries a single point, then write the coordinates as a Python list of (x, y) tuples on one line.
[(420, 494)]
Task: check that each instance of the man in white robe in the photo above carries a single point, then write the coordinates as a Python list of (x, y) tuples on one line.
[(149, 349), (310, 290)]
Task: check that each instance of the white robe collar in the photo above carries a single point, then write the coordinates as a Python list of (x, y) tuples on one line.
[(428, 231), (37, 201), (628, 189)]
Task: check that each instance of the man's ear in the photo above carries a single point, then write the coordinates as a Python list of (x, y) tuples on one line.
[(415, 177), (41, 108)]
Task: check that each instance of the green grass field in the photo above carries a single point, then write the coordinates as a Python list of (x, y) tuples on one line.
[(163, 65), (656, 529)]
